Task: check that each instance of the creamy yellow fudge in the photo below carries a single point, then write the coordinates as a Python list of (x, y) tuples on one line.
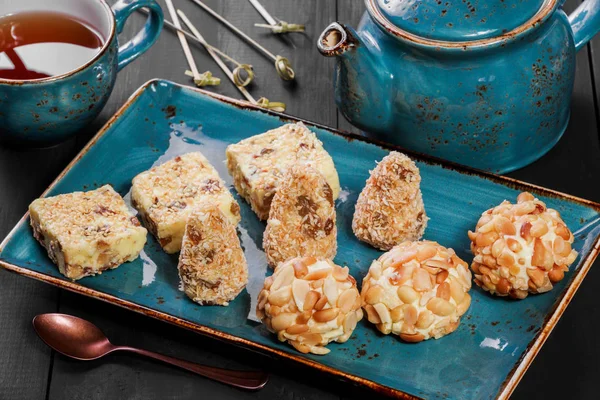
[(86, 233), (166, 195), (259, 163)]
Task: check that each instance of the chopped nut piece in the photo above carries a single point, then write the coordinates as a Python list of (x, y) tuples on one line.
[(404, 296), (302, 220), (259, 163), (310, 318), (390, 208), (86, 233), (212, 266), (166, 195), (530, 243)]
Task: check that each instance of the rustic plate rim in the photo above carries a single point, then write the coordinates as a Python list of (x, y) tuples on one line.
[(512, 379)]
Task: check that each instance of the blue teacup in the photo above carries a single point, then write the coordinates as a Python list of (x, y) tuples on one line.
[(46, 111)]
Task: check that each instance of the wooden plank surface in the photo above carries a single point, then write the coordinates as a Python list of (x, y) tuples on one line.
[(27, 365), (24, 360)]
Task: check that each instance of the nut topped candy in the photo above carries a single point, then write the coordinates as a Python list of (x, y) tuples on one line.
[(390, 208), (302, 218), (310, 302), (520, 248), (417, 290)]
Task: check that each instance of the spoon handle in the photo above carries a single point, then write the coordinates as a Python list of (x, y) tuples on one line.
[(252, 380)]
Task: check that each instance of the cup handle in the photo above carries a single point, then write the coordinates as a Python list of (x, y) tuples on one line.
[(146, 37), (585, 22)]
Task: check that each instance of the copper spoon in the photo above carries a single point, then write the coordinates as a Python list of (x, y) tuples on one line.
[(77, 338)]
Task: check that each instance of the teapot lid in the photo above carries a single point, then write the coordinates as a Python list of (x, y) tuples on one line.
[(455, 20)]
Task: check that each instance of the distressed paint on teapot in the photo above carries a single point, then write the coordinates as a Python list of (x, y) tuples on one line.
[(494, 103), (458, 20)]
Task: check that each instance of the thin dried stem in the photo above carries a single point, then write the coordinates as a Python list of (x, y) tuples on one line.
[(184, 44)]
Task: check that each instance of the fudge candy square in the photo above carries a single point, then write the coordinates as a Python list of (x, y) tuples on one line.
[(212, 266), (86, 233), (166, 195), (259, 163)]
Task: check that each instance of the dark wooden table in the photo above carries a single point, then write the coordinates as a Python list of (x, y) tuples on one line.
[(567, 367)]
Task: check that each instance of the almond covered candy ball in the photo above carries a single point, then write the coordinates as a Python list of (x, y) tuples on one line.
[(310, 302), (417, 290), (520, 248)]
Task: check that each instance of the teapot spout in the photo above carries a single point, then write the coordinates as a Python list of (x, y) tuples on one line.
[(336, 40), (360, 78)]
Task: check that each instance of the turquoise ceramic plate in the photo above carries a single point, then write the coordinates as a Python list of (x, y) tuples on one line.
[(484, 358)]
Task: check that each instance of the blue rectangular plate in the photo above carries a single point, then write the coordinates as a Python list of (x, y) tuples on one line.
[(485, 358)]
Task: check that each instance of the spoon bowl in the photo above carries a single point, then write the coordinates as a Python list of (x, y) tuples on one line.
[(71, 336), (80, 339)]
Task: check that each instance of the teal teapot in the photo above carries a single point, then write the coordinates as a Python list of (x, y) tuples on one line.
[(482, 83)]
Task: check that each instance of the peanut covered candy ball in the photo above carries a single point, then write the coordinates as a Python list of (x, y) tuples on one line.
[(417, 290), (521, 248), (310, 302)]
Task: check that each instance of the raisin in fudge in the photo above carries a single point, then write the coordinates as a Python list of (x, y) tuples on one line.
[(166, 195), (259, 163), (86, 233)]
